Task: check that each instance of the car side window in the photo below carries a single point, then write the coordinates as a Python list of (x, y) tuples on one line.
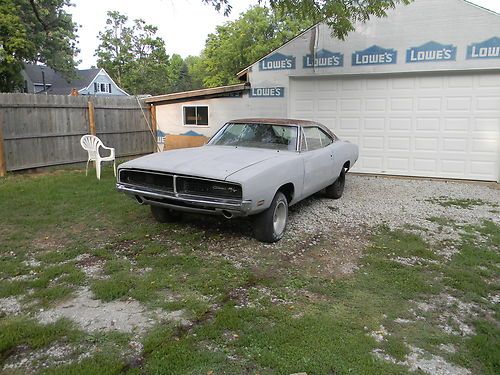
[(313, 139), (316, 138), (324, 138)]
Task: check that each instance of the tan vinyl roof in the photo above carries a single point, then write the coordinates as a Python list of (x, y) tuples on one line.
[(274, 121), (215, 91)]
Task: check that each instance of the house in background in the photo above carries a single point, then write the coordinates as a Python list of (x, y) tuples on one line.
[(41, 79)]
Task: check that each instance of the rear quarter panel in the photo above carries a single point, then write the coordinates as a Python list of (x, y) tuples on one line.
[(346, 151)]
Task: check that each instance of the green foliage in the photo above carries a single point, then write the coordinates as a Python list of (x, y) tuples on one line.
[(340, 15), (178, 74), (133, 55), (35, 31), (196, 71), (114, 288), (485, 346), (237, 44), (17, 331)]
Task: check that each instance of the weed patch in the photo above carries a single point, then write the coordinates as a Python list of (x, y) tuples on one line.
[(460, 203)]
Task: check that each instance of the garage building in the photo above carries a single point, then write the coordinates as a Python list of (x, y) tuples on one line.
[(418, 91)]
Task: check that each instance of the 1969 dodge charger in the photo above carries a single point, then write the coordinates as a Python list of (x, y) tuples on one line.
[(255, 166)]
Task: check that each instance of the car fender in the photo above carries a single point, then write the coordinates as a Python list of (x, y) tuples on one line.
[(260, 182)]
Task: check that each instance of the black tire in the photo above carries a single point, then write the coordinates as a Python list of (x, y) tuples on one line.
[(336, 189), (165, 215), (264, 226)]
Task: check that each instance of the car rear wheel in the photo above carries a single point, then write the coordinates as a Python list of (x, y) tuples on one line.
[(336, 189), (270, 225), (165, 215)]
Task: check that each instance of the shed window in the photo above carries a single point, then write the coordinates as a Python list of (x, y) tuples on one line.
[(196, 115)]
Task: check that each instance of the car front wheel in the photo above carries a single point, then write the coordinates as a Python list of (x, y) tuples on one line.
[(336, 189), (269, 226), (164, 215)]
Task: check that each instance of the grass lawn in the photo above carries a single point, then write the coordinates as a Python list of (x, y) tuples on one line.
[(205, 313)]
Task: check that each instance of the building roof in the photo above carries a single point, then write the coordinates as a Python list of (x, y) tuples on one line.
[(56, 83), (214, 92), (242, 74)]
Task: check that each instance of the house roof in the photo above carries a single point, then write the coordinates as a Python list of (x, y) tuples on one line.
[(220, 91), (56, 82)]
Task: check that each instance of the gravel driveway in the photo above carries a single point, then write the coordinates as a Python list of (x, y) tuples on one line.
[(397, 202)]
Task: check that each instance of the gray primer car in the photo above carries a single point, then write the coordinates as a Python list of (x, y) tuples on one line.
[(254, 167)]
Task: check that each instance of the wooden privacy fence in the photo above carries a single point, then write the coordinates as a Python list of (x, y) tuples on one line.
[(45, 130)]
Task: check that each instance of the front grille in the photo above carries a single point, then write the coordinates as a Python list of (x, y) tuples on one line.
[(183, 185), (147, 179), (207, 188)]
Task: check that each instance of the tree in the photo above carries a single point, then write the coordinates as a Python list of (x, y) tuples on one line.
[(35, 31), (339, 15), (133, 55), (178, 75), (196, 71), (239, 43), (114, 53)]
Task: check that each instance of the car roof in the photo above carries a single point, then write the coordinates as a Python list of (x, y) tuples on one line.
[(275, 121)]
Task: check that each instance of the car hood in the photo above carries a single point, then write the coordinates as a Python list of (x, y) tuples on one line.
[(217, 162)]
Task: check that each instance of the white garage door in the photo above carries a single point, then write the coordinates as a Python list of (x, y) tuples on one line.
[(433, 126)]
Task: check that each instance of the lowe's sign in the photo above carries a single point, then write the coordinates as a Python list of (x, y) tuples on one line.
[(277, 61), (267, 92), (431, 51), (489, 49), (374, 55), (323, 59)]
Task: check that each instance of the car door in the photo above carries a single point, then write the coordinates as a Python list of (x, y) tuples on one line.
[(317, 156)]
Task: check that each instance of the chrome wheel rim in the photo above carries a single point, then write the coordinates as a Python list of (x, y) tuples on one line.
[(279, 218)]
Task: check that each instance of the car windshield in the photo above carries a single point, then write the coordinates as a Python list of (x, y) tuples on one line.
[(274, 137)]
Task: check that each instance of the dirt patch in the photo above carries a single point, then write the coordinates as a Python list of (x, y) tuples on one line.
[(92, 266), (94, 315), (332, 255), (379, 334), (419, 359), (29, 361), (452, 314), (9, 306), (55, 237)]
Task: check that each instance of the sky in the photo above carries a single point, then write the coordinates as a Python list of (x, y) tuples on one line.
[(183, 24)]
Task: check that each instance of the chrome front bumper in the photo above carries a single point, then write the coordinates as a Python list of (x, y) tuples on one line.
[(188, 203)]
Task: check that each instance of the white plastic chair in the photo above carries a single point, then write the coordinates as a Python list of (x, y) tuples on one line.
[(91, 144)]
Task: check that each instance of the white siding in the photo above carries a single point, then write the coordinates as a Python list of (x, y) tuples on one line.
[(220, 110)]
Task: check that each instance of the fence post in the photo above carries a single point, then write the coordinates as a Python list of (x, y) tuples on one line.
[(154, 126), (3, 163), (91, 117)]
